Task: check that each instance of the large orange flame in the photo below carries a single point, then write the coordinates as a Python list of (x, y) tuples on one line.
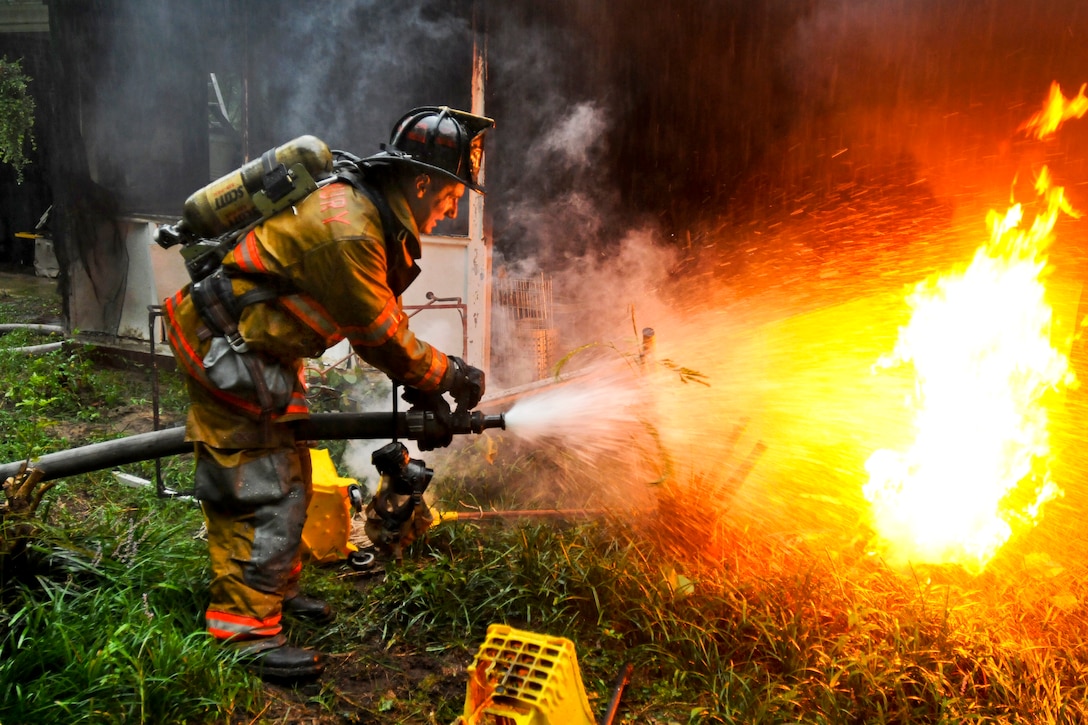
[(979, 341)]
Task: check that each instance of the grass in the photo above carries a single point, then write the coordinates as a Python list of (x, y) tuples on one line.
[(768, 637), (101, 614), (100, 619), (113, 638)]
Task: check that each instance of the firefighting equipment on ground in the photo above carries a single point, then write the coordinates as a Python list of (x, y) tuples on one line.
[(398, 515), (526, 678), (326, 537)]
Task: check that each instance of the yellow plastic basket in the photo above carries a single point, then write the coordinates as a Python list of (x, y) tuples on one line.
[(522, 678)]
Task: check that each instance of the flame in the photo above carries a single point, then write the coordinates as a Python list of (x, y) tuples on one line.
[(979, 341), (1057, 109)]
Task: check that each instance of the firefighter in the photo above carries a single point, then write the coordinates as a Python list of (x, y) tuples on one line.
[(331, 268)]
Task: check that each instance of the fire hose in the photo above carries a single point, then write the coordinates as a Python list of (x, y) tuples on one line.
[(430, 429)]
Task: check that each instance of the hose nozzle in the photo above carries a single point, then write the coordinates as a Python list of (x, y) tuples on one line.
[(480, 422)]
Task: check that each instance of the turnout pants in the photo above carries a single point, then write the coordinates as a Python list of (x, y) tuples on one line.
[(254, 502), (252, 477)]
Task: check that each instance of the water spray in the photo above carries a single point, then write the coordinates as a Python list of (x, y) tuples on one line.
[(606, 407)]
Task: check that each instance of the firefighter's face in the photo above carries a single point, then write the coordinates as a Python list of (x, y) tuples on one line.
[(435, 200)]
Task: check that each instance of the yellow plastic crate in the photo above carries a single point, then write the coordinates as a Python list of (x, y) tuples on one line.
[(522, 678), (327, 532)]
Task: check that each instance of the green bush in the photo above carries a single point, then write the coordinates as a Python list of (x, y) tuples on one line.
[(16, 116)]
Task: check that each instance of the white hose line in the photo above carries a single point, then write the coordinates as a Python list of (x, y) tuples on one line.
[(37, 349), (33, 327)]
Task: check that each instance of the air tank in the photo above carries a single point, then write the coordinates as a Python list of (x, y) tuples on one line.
[(242, 196)]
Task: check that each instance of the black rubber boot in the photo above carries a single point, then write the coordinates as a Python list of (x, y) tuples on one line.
[(285, 664), (309, 608)]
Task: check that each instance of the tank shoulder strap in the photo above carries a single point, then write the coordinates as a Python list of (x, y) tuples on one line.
[(354, 172)]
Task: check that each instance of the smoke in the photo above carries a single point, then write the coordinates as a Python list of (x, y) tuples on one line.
[(343, 70), (359, 65), (572, 144), (612, 114), (602, 303), (568, 206), (614, 296)]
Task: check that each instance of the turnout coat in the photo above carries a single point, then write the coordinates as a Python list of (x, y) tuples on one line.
[(303, 281)]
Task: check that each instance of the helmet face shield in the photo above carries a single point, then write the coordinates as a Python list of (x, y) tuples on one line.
[(438, 139)]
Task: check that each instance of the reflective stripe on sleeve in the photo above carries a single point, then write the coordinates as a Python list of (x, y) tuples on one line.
[(312, 314), (247, 255), (381, 329), (433, 377)]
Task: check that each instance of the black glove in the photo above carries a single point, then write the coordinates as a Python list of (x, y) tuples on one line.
[(465, 383), (424, 401)]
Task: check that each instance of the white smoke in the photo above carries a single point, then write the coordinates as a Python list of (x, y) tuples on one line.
[(573, 143)]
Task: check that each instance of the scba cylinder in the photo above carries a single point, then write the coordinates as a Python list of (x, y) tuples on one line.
[(228, 202)]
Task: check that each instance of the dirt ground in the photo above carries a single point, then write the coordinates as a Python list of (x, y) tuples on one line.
[(34, 298), (371, 685)]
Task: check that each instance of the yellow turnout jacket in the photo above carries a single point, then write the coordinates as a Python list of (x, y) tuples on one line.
[(336, 278)]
